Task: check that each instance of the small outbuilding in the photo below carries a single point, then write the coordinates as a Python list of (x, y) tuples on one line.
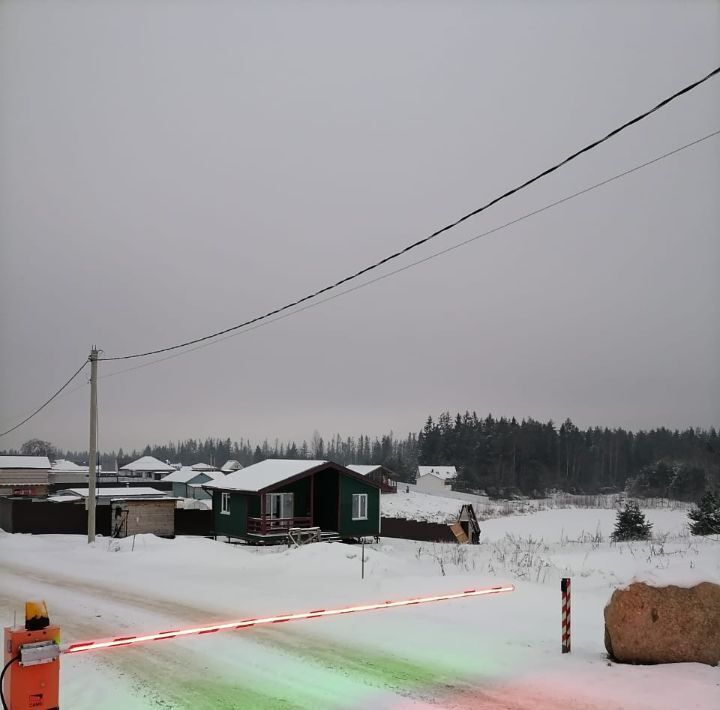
[(270, 500), (133, 510)]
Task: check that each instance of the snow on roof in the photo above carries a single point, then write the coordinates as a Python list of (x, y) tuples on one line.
[(362, 469), (182, 475), (216, 475), (68, 466), (127, 492), (187, 473), (203, 467), (442, 472), (24, 462), (195, 504), (266, 473), (231, 465), (62, 499), (148, 463)]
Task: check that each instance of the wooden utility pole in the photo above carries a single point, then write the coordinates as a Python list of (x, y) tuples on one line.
[(93, 445)]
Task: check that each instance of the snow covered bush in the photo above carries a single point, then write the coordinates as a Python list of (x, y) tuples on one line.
[(705, 519), (631, 524)]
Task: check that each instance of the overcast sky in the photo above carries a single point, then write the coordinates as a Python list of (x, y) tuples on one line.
[(168, 169)]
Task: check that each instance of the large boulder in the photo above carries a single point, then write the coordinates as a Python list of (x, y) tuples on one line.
[(645, 624)]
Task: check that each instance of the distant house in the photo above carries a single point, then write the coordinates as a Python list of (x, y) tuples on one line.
[(230, 466), (66, 473), (65, 465), (435, 478), (147, 467), (266, 501), (187, 481), (381, 475), (203, 467), (24, 475)]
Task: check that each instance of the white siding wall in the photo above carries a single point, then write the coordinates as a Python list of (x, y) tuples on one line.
[(431, 483)]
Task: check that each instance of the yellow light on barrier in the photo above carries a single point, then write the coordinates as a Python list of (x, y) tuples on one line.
[(36, 615)]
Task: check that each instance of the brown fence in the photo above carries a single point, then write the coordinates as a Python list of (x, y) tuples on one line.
[(416, 530), (44, 518), (193, 522)]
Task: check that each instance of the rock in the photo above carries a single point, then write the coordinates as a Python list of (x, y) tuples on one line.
[(645, 624)]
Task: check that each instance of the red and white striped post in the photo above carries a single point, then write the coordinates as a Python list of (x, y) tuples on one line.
[(565, 589)]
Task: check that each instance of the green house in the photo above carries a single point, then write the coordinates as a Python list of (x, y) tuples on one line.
[(266, 501)]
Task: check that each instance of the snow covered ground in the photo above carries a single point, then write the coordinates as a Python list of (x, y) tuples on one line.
[(443, 506), (487, 652)]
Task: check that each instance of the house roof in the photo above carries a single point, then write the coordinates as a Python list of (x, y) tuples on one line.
[(124, 492), (203, 467), (272, 472), (62, 499), (68, 466), (188, 473), (444, 473), (363, 469), (231, 465), (148, 463), (264, 474), (42, 462), (182, 475)]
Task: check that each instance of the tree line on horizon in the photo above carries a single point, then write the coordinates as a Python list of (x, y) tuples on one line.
[(498, 455)]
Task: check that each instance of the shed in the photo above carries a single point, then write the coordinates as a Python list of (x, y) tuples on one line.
[(134, 516), (133, 510), (266, 501)]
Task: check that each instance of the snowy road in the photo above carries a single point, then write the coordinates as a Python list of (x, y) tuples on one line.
[(98, 610)]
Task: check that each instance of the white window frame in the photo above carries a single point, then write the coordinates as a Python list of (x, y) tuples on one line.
[(359, 506), (286, 505), (225, 503)]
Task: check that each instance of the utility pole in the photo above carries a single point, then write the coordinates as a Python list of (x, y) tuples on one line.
[(93, 445)]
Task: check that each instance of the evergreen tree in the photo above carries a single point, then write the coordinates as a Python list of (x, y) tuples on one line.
[(706, 516), (631, 524)]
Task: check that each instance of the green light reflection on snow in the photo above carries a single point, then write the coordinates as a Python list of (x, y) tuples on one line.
[(313, 674)]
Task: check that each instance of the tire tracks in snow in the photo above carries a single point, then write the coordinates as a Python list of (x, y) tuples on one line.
[(371, 668)]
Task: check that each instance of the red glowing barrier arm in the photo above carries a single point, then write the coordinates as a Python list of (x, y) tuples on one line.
[(130, 640)]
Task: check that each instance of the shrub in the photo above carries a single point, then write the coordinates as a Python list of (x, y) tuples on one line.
[(706, 516), (631, 524)]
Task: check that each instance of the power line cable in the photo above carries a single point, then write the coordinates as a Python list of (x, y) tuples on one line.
[(489, 232), (67, 393), (382, 277), (419, 242), (42, 406)]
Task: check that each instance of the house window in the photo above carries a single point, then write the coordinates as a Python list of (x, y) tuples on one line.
[(280, 505), (225, 503), (359, 506)]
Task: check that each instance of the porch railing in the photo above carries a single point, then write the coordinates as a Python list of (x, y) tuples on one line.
[(269, 526)]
